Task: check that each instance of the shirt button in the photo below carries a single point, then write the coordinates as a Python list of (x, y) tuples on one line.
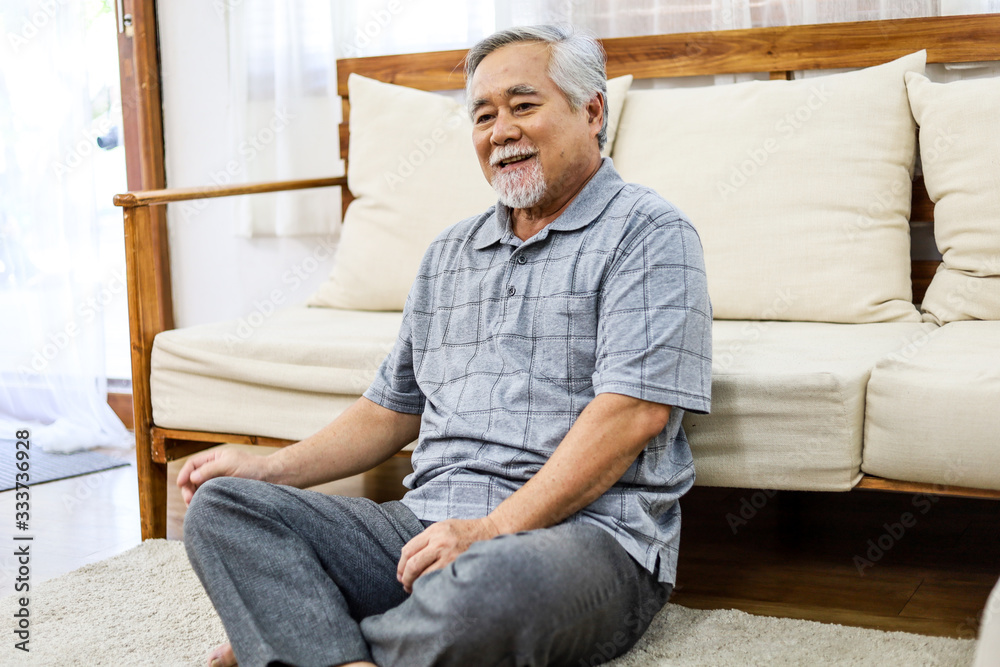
[(511, 290), (521, 259)]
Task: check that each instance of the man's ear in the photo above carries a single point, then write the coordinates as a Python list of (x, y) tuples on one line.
[(596, 108)]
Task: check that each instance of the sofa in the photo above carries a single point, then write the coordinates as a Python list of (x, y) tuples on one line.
[(839, 362)]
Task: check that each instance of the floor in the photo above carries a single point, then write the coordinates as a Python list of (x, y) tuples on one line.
[(865, 558)]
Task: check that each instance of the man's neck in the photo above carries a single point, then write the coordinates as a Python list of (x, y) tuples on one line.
[(526, 222)]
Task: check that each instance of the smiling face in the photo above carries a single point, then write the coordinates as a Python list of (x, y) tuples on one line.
[(535, 150)]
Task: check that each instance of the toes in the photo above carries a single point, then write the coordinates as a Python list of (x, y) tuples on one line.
[(222, 656)]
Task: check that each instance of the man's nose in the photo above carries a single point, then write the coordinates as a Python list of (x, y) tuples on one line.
[(505, 129)]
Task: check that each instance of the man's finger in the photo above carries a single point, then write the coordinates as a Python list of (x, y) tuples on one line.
[(183, 475), (192, 464), (196, 471), (200, 475), (212, 467), (417, 564), (409, 549), (438, 564)]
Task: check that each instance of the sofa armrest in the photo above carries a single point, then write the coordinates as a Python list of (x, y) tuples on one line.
[(149, 197), (149, 306)]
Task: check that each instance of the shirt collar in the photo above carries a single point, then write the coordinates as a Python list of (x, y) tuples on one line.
[(583, 210)]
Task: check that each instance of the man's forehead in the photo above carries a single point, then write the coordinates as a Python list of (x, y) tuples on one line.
[(513, 70)]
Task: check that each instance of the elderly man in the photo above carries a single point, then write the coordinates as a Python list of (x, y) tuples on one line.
[(548, 350)]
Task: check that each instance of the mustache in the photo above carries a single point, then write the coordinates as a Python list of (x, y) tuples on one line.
[(506, 152)]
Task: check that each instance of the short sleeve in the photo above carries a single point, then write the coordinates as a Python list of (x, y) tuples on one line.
[(654, 339), (395, 384)]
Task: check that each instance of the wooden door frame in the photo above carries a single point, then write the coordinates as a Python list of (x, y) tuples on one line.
[(142, 117), (142, 120)]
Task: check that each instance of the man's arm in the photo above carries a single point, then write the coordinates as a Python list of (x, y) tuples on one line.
[(365, 435), (607, 437)]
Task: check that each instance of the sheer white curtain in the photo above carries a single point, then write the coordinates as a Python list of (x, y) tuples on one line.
[(284, 109), (283, 114), (283, 88), (382, 27), (626, 18), (52, 371)]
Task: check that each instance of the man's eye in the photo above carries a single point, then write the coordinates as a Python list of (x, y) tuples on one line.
[(524, 106), (483, 118)]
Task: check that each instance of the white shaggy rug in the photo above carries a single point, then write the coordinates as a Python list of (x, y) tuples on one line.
[(146, 607)]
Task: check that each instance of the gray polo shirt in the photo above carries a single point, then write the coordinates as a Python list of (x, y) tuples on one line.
[(504, 343)]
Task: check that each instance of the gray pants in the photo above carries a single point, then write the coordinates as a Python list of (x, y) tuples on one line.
[(302, 578)]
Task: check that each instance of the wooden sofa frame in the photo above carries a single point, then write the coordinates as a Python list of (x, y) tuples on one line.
[(777, 51)]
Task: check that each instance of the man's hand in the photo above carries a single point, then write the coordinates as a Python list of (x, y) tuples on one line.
[(439, 545), (220, 463)]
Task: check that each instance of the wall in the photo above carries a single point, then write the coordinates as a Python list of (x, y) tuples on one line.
[(216, 274)]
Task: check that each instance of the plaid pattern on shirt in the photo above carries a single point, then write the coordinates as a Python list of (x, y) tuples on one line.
[(504, 343)]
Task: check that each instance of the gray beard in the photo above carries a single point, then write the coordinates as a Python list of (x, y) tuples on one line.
[(520, 190)]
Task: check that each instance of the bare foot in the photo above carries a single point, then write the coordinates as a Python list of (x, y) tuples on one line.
[(222, 656)]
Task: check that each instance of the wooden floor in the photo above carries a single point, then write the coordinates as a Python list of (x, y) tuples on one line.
[(865, 558)]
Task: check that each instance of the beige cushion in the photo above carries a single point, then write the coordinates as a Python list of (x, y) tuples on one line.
[(414, 172), (933, 412), (960, 154), (283, 376), (617, 91), (800, 190), (788, 401)]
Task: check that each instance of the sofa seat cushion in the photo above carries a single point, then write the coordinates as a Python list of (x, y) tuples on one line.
[(284, 376), (934, 410), (788, 402)]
